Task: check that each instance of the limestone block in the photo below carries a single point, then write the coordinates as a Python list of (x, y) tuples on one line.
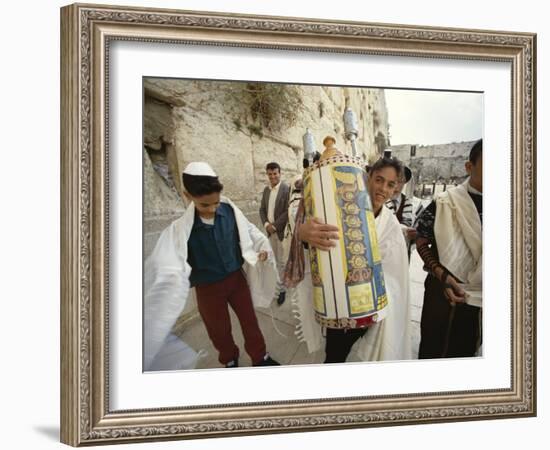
[(157, 123), (157, 195), (169, 91), (199, 137)]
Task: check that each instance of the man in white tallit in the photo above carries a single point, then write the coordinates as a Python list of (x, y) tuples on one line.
[(388, 339), (449, 242), (214, 253)]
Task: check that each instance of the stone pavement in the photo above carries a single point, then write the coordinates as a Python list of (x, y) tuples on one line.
[(278, 325)]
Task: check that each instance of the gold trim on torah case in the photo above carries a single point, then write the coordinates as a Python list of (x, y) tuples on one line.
[(348, 281)]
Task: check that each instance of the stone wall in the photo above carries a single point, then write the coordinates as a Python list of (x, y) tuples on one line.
[(161, 200), (218, 122), (440, 163)]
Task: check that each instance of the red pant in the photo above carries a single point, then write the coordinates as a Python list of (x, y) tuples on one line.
[(212, 301)]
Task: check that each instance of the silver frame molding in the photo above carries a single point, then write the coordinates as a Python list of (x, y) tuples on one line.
[(86, 31)]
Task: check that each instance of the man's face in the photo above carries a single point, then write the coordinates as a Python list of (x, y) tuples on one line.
[(476, 173), (274, 176), (206, 205), (381, 186)]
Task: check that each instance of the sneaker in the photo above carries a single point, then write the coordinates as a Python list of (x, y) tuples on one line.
[(267, 361), (232, 363), (281, 298)]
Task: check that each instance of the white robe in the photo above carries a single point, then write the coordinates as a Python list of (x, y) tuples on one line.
[(457, 230), (167, 287), (389, 339)]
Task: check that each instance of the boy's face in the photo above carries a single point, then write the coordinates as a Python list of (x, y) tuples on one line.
[(476, 173), (206, 205), (381, 186), (398, 188), (274, 176)]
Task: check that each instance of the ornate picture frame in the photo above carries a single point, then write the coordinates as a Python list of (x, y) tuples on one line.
[(86, 35)]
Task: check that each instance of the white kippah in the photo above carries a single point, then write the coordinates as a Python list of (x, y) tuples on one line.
[(200, 168)]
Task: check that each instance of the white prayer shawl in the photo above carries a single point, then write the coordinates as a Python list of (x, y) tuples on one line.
[(457, 231), (388, 339), (167, 287)]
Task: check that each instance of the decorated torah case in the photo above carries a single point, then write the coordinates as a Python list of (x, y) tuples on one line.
[(348, 282)]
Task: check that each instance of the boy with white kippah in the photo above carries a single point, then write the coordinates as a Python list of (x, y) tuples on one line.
[(214, 249)]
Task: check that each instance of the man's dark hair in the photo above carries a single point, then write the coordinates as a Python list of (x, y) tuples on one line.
[(387, 162), (199, 185), (475, 152), (407, 173), (273, 166)]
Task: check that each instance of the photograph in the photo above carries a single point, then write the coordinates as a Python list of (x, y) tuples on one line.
[(289, 224), (270, 225), (298, 200)]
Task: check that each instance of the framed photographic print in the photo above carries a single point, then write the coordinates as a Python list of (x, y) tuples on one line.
[(147, 92)]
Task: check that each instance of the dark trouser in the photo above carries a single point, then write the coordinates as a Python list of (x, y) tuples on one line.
[(447, 331), (339, 343), (213, 300)]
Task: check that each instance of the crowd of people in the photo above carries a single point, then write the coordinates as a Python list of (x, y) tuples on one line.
[(215, 254)]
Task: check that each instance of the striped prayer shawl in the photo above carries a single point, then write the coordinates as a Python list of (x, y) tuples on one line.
[(402, 207)]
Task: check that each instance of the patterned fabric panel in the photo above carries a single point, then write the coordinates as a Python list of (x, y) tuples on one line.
[(348, 280)]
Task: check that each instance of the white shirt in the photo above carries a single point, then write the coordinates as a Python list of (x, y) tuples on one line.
[(271, 204)]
